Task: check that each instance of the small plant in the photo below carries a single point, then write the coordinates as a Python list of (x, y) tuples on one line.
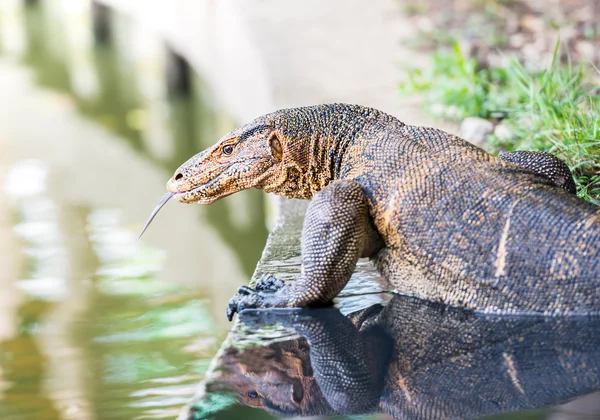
[(554, 110)]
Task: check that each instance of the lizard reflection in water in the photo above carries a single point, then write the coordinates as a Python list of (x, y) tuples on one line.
[(410, 359)]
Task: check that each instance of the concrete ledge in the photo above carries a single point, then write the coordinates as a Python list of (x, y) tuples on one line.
[(280, 257), (262, 55)]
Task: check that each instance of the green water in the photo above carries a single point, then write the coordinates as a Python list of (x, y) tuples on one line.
[(93, 325)]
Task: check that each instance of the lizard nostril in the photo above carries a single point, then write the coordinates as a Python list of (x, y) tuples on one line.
[(178, 176)]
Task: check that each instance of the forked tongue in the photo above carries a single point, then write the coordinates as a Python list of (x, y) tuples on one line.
[(159, 206)]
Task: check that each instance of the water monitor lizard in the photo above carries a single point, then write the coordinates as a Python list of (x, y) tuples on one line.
[(441, 218)]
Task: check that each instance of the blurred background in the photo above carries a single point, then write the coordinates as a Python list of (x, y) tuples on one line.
[(102, 100)]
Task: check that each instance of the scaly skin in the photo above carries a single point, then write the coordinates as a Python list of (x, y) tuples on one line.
[(412, 360), (442, 219)]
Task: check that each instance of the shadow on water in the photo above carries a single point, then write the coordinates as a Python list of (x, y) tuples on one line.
[(94, 334), (408, 359)]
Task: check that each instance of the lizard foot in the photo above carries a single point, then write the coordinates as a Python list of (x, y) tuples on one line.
[(269, 283), (268, 293)]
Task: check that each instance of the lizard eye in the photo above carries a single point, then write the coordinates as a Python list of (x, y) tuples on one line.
[(253, 394), (228, 149)]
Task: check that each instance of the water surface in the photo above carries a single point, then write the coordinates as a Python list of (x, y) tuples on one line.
[(406, 359), (93, 325)]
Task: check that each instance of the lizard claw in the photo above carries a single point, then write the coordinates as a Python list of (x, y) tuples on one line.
[(245, 290), (267, 294), (269, 283), (239, 302)]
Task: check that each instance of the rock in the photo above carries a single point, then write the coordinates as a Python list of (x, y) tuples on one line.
[(517, 40), (568, 32), (532, 23), (585, 49), (449, 112), (475, 130), (504, 133)]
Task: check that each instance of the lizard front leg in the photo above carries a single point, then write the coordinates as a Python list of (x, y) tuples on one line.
[(337, 231)]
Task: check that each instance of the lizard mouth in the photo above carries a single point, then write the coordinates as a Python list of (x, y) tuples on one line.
[(196, 194)]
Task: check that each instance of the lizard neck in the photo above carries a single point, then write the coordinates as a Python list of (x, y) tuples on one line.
[(319, 142)]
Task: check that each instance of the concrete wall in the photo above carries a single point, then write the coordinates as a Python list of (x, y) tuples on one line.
[(261, 55)]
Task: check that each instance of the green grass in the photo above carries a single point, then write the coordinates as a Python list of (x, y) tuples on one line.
[(555, 110)]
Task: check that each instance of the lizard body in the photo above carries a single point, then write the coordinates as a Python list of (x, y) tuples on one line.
[(442, 219)]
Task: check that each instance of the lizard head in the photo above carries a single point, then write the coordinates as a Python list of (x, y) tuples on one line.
[(250, 156), (288, 152)]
